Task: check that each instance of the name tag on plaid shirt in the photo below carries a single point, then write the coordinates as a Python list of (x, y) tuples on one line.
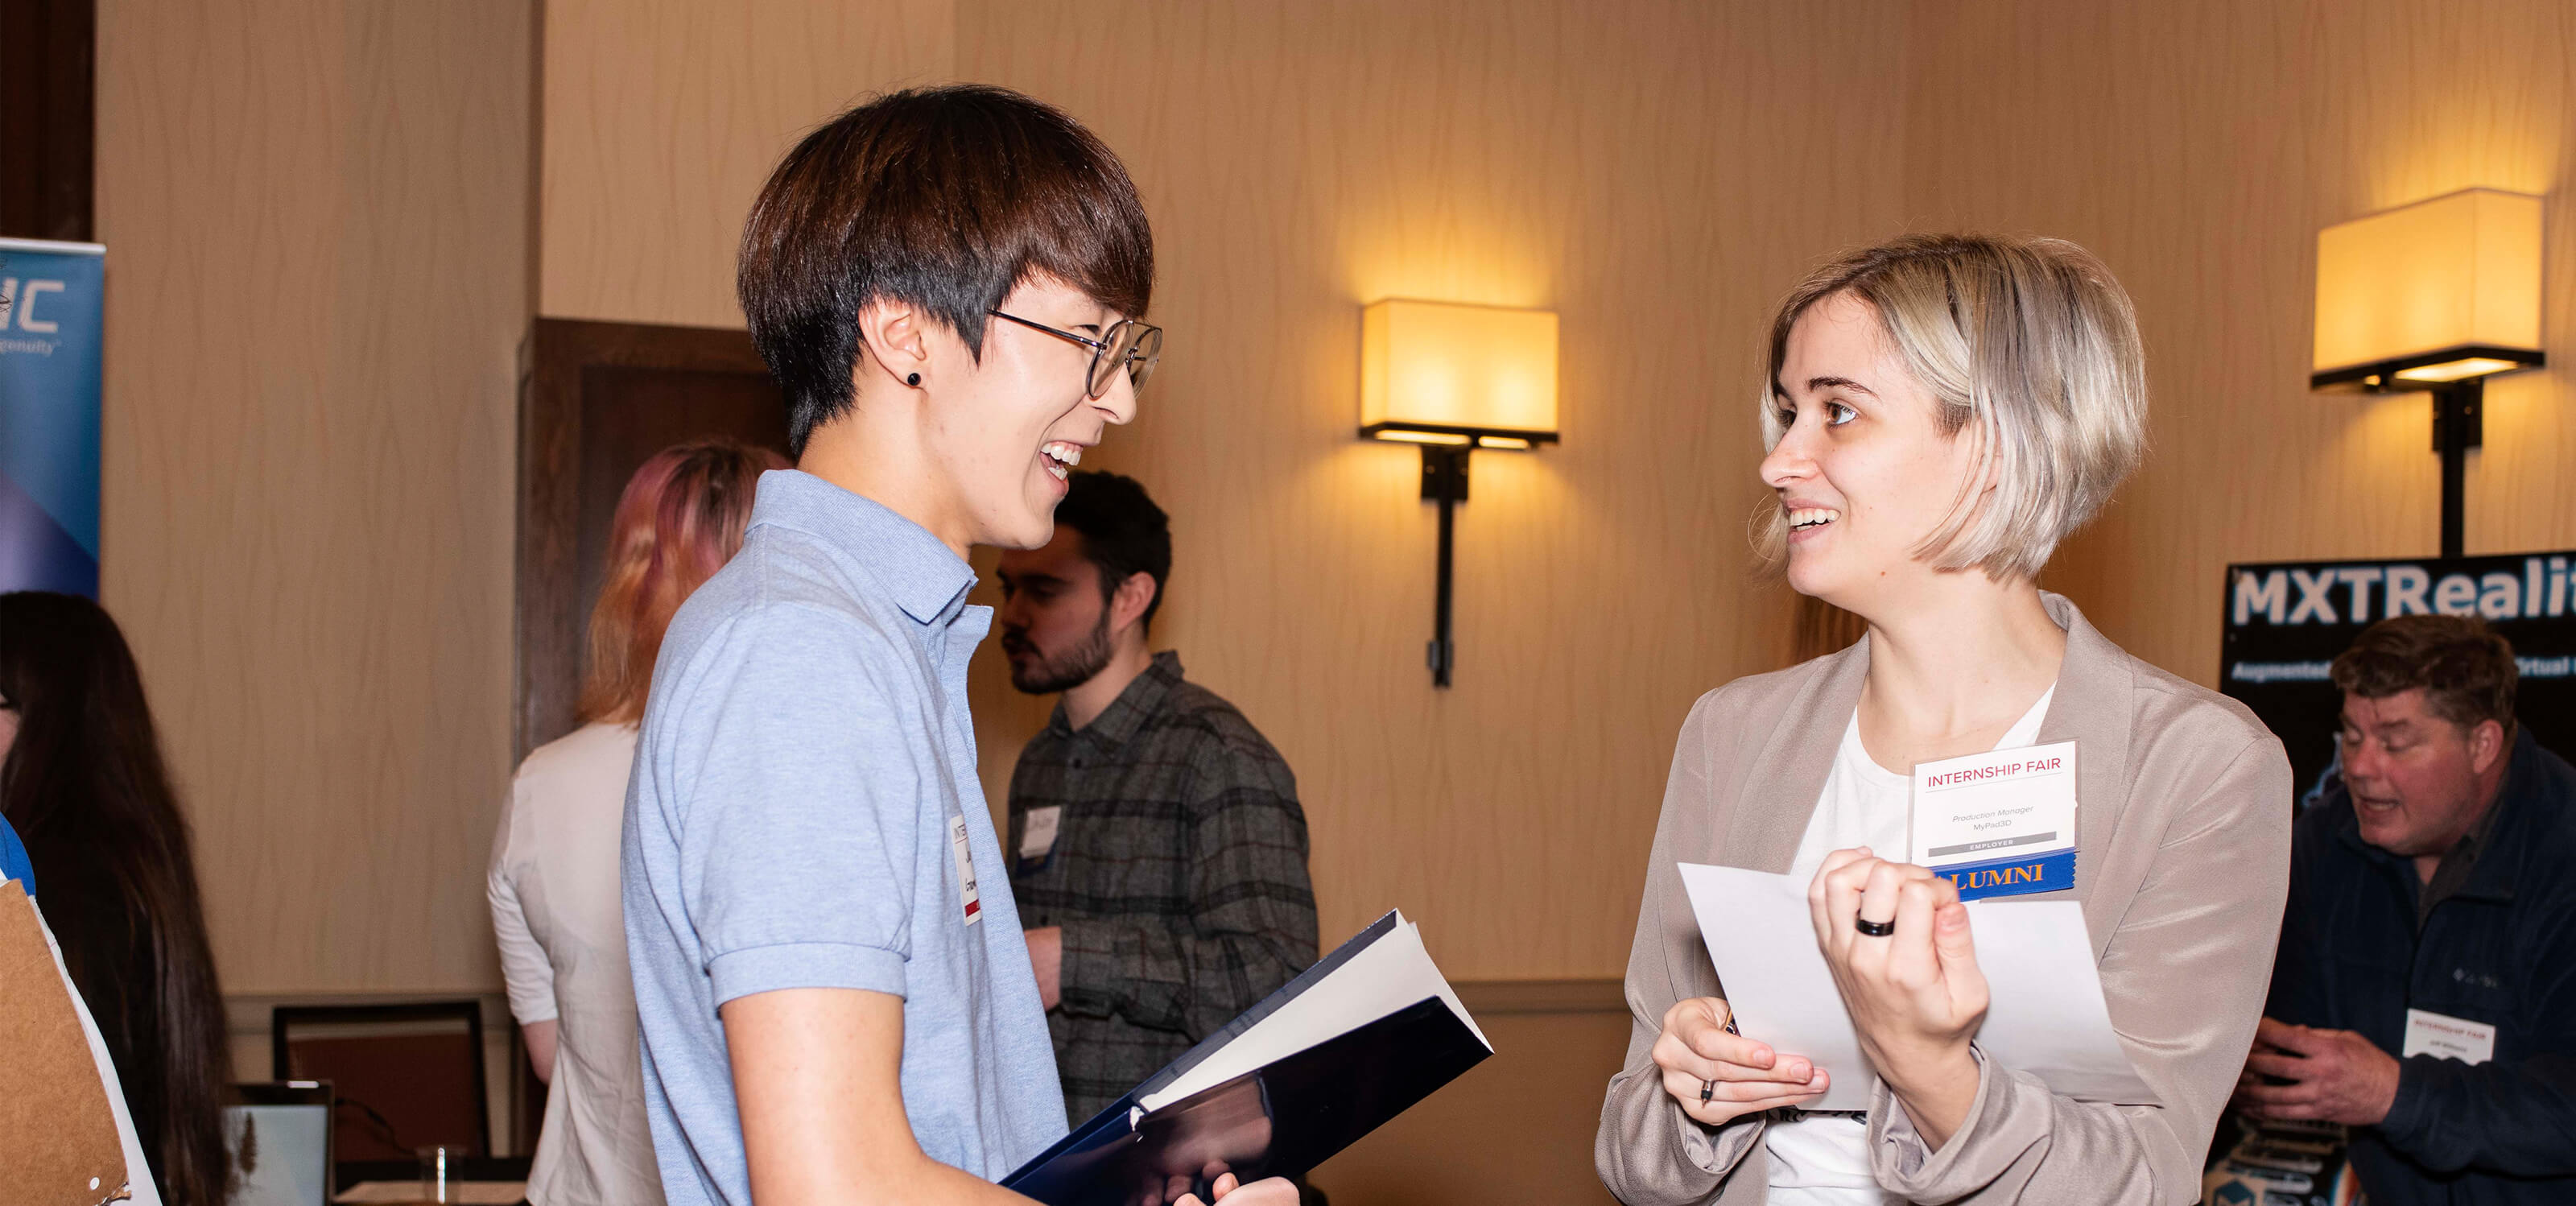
[(1037, 836)]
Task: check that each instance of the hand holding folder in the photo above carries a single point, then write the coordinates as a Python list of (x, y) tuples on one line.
[(1358, 1039)]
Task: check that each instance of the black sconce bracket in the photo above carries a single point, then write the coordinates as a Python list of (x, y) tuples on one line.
[(1444, 480), (2459, 416)]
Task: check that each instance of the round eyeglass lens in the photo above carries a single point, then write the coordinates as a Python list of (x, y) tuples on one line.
[(1131, 345), (1144, 355), (1111, 353)]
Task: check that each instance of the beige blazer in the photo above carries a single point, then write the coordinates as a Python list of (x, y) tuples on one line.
[(2183, 854)]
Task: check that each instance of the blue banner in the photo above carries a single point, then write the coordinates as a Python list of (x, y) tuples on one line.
[(51, 297)]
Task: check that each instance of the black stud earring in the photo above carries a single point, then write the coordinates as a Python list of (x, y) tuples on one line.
[(914, 379)]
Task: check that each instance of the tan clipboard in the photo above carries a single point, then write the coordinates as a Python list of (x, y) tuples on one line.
[(58, 1141)]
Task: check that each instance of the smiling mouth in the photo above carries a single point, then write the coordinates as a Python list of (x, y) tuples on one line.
[(1809, 518), (1060, 457)]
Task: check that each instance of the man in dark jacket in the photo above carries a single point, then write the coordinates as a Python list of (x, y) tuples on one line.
[(2425, 993)]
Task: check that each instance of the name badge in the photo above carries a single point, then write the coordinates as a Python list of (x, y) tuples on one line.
[(965, 868), (2429, 1033), (1997, 824), (1037, 836)]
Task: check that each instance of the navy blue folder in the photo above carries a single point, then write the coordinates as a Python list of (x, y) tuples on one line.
[(1281, 1119)]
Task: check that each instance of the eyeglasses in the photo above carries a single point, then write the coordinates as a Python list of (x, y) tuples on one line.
[(1130, 344)]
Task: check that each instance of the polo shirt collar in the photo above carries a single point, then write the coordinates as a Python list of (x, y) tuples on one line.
[(909, 565)]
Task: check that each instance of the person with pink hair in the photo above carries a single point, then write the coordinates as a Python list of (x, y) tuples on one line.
[(554, 880)]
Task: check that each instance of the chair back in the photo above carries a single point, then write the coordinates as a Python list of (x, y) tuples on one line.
[(405, 1076)]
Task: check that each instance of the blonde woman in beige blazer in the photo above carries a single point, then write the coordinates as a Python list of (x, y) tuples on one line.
[(1941, 412)]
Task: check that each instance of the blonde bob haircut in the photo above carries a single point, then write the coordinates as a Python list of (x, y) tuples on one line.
[(2029, 345)]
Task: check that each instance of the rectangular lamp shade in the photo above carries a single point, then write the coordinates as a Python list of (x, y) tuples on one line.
[(1436, 372), (2456, 274)]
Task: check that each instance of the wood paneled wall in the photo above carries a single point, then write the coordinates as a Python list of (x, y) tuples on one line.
[(316, 216), (1629, 165), (1657, 174), (1621, 164), (661, 120), (2198, 147), (328, 223)]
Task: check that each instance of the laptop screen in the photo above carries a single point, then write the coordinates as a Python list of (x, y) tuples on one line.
[(282, 1153)]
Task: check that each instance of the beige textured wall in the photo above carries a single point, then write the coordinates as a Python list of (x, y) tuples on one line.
[(316, 222), (319, 224), (2199, 146), (1656, 174), (662, 119), (1623, 164)]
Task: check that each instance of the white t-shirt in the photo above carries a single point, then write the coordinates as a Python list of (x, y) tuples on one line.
[(560, 919), (1823, 1159)]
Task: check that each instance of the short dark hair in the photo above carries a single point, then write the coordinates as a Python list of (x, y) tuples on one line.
[(1123, 532), (942, 198), (2466, 670)]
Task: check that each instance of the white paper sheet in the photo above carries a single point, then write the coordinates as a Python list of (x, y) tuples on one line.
[(2047, 1017)]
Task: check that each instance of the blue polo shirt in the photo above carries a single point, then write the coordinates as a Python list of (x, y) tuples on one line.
[(805, 813)]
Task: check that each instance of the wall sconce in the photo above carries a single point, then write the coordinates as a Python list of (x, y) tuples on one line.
[(2436, 296), (1455, 378)]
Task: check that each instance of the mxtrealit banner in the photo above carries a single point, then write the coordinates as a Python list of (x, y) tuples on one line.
[(50, 298), (2286, 621)]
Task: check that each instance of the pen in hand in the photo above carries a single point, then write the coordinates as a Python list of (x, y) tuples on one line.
[(1708, 1088)]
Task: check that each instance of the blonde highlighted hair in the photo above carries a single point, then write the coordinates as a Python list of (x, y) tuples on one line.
[(2027, 344), (680, 519)]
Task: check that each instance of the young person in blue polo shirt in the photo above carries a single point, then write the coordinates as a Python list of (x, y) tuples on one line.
[(836, 1003)]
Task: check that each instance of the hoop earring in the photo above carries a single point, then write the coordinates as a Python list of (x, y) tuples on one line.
[(913, 380)]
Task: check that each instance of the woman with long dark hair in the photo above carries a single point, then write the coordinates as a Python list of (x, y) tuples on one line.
[(84, 785)]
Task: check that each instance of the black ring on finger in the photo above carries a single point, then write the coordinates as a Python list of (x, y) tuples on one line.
[(1874, 929), (1707, 1091)]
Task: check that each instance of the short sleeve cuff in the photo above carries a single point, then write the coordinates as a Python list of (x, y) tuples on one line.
[(805, 965)]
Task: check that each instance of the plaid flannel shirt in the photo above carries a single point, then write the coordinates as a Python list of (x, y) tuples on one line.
[(1178, 872)]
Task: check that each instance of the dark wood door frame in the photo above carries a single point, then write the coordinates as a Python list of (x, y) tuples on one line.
[(548, 633), (48, 122)]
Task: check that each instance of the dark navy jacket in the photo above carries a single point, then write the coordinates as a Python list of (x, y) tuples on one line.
[(2501, 951)]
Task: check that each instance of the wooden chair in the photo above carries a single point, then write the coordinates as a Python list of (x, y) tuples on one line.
[(404, 1076)]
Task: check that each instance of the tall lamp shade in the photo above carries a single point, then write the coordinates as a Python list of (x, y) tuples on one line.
[(2437, 297), (1444, 373), (2437, 291)]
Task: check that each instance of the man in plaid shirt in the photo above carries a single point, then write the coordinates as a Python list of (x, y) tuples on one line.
[(1158, 852)]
